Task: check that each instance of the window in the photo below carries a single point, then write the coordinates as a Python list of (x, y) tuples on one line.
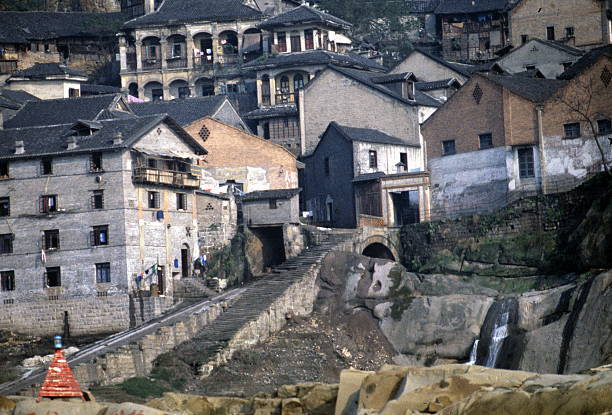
[(73, 92), (530, 67), (572, 130), (448, 147), (153, 198), (4, 169), (183, 92), (373, 159), (97, 199), (99, 235), (51, 239), (95, 162), (46, 166), (526, 165), (6, 243), (296, 44), (7, 280), (524, 39), (486, 140), (603, 127), (550, 33), (272, 204), (233, 88), (48, 204), (404, 161), (282, 41), (157, 94), (103, 272), (327, 166), (181, 201), (308, 39), (5, 206), (53, 277), (266, 130), (569, 31), (152, 52), (566, 65), (177, 50), (298, 82)]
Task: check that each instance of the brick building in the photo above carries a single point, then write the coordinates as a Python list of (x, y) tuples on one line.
[(579, 23), (87, 206)]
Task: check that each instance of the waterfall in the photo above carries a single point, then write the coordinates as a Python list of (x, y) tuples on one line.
[(495, 330), (500, 332), (473, 353)]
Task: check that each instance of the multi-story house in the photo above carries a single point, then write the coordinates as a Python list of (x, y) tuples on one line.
[(583, 24), (499, 135), (48, 81), (174, 51), (93, 214), (304, 41)]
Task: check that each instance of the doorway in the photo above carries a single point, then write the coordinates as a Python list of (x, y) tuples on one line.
[(185, 262), (406, 206)]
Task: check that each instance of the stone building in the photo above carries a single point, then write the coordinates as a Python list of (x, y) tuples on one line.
[(95, 214), (175, 51), (84, 41), (304, 41), (386, 102), (427, 67), (499, 135), (549, 57), (582, 24), (472, 31), (359, 176), (48, 81), (217, 220)]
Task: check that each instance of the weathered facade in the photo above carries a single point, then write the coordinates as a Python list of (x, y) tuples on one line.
[(580, 23), (126, 225), (48, 81), (217, 220), (429, 68)]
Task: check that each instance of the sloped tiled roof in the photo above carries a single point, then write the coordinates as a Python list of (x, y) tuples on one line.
[(393, 77), (282, 110), (533, 89), (369, 135), (63, 111), (586, 61), (422, 6), (301, 15), (270, 194), (181, 11), (94, 89), (183, 111), (430, 86), (41, 70), (14, 99), (460, 68), (313, 57), (20, 27), (470, 6)]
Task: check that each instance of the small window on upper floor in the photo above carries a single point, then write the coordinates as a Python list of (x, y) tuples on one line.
[(6, 243), (604, 126), (486, 140), (51, 239), (550, 33), (524, 39), (327, 167), (53, 277), (181, 201), (97, 199), (96, 162), (569, 31), (572, 130), (448, 147), (99, 235), (272, 204), (46, 166), (153, 200), (47, 204), (7, 280), (103, 273), (281, 44), (530, 67), (526, 163), (373, 159), (4, 169), (74, 92), (5, 206)]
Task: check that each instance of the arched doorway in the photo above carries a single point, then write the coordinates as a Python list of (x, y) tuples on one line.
[(179, 89), (154, 91), (133, 89), (378, 250), (205, 87)]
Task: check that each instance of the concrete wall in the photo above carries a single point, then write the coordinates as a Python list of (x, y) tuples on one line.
[(549, 60), (387, 155), (47, 89), (361, 107), (258, 212), (426, 69)]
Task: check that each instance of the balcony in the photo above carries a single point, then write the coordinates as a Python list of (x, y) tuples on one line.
[(151, 64), (229, 59), (285, 98), (176, 62), (148, 175)]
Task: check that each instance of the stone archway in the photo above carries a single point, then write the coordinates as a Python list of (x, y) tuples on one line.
[(377, 245), (378, 250)]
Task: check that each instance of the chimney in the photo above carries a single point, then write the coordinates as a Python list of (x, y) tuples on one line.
[(118, 139), (71, 143), (19, 147)]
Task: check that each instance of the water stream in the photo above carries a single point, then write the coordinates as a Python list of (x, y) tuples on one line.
[(473, 353), (494, 332), (500, 332)]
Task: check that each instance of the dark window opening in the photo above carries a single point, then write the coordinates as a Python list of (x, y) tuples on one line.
[(73, 92), (327, 166), (6, 243), (486, 140), (46, 166), (309, 39), (526, 163), (157, 94), (7, 280), (183, 92), (96, 162), (5, 206), (603, 127), (373, 159), (296, 44), (4, 169), (97, 199), (524, 39), (53, 277), (48, 203), (153, 198), (51, 239), (266, 130), (282, 42), (566, 65), (550, 33), (448, 147), (572, 130), (99, 235), (530, 67), (272, 204), (181, 201), (103, 272), (569, 31), (404, 161)]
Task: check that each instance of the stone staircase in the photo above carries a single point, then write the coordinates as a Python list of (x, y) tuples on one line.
[(192, 289)]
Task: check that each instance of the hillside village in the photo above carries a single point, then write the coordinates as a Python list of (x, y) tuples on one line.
[(163, 152)]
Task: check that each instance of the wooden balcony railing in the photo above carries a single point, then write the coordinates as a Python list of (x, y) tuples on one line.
[(177, 62), (151, 64), (164, 177)]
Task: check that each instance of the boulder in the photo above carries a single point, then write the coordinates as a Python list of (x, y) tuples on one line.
[(6, 405), (348, 390), (132, 408), (320, 400), (61, 407)]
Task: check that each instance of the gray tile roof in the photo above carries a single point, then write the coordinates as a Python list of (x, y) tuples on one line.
[(63, 111), (270, 194), (42, 70), (366, 177), (461, 68), (20, 27), (181, 11), (432, 85), (365, 77), (93, 89), (586, 61), (303, 15), (183, 111), (369, 135), (282, 110), (15, 99), (559, 46), (470, 6), (422, 6), (313, 57), (532, 89), (393, 77)]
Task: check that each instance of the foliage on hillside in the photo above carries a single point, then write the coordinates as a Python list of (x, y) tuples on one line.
[(59, 5)]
